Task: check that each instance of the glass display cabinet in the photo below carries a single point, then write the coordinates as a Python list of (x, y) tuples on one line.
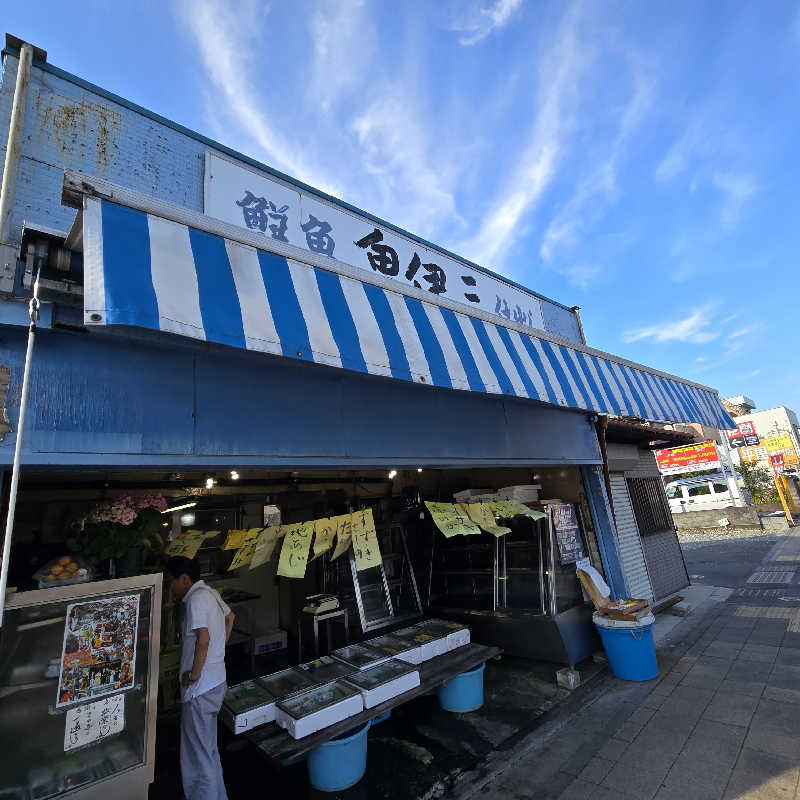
[(78, 687)]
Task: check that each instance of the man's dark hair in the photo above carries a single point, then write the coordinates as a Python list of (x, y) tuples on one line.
[(180, 565)]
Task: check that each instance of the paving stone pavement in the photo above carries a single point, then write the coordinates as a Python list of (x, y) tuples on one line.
[(721, 722)]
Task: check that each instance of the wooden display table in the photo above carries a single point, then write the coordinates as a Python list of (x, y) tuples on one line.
[(279, 747)]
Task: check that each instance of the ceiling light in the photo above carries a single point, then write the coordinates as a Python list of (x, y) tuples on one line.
[(210, 483), (392, 474), (234, 475), (419, 469), (179, 508), (187, 519)]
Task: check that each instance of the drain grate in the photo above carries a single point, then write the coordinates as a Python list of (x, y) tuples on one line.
[(772, 576)]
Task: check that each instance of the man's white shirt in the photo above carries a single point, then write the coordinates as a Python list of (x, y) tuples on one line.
[(203, 608)]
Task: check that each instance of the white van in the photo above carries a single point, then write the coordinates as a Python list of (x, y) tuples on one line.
[(700, 493)]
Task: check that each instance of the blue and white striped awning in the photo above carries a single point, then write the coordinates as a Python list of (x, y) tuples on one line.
[(180, 272)]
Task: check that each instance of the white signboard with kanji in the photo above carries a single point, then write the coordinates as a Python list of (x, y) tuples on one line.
[(241, 196), (94, 721)]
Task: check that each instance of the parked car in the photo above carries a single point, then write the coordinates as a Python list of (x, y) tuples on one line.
[(701, 493)]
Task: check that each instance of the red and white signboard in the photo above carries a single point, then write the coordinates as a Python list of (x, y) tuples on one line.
[(687, 458), (777, 462)]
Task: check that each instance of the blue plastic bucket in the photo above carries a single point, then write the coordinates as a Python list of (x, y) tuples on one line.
[(340, 763), (464, 692), (629, 647)]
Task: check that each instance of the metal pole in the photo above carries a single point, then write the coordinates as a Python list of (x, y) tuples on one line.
[(11, 168), (33, 310), (729, 470)]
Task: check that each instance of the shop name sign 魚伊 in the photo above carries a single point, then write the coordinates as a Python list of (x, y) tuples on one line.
[(278, 211)]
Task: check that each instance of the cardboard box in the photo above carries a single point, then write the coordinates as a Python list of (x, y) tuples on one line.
[(269, 642)]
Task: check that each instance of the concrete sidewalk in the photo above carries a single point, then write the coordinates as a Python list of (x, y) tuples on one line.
[(721, 721)]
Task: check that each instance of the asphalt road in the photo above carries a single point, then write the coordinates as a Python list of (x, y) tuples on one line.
[(725, 561)]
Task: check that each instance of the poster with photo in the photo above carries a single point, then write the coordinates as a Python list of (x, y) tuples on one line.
[(568, 534), (98, 656)]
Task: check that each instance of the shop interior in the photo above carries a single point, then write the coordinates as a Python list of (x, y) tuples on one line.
[(511, 590)]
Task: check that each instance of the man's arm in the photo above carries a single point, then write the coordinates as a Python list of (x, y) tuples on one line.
[(200, 653), (229, 618)]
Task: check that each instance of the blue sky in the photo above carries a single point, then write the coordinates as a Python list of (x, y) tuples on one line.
[(636, 159)]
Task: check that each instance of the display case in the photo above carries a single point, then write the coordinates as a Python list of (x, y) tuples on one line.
[(310, 711), (359, 656), (246, 706), (78, 688), (382, 683)]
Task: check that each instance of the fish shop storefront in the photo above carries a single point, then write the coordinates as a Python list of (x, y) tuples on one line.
[(305, 397)]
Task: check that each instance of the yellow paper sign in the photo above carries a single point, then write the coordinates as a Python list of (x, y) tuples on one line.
[(451, 519), (244, 554), (365, 540), (265, 546), (294, 553), (188, 543), (324, 534), (344, 534), (513, 508), (481, 514), (776, 443), (234, 540)]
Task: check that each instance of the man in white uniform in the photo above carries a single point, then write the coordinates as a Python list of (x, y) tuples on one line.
[(207, 625)]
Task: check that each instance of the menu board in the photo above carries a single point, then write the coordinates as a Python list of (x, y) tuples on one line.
[(98, 655), (567, 531)]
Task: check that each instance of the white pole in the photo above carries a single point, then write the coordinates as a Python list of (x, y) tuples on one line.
[(33, 310), (729, 471)]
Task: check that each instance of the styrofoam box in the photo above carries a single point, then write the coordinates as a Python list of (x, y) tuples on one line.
[(382, 683), (525, 493), (398, 647), (457, 636), (360, 656), (269, 642), (432, 645), (239, 721), (466, 495), (311, 711)]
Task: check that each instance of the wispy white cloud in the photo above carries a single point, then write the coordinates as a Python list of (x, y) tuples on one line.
[(695, 328), (228, 52), (582, 275), (748, 329), (737, 189), (480, 22), (599, 186), (559, 79)]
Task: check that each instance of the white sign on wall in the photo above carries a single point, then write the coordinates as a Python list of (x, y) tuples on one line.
[(241, 196), (94, 721)]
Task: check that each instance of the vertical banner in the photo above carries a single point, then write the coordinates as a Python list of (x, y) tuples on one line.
[(365, 540), (294, 553)]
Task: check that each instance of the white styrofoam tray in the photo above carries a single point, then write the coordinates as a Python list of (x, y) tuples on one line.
[(458, 635), (239, 721), (311, 711), (398, 647), (376, 692)]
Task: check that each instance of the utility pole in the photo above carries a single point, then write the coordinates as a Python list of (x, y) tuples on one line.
[(725, 461)]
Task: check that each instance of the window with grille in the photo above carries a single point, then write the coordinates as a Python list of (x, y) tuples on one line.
[(649, 505)]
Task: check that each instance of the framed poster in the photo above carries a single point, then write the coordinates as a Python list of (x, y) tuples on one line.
[(98, 655), (567, 532)]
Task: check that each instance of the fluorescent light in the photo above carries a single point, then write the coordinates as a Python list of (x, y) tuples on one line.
[(210, 483), (187, 519), (179, 508), (393, 474), (234, 475), (419, 469)]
